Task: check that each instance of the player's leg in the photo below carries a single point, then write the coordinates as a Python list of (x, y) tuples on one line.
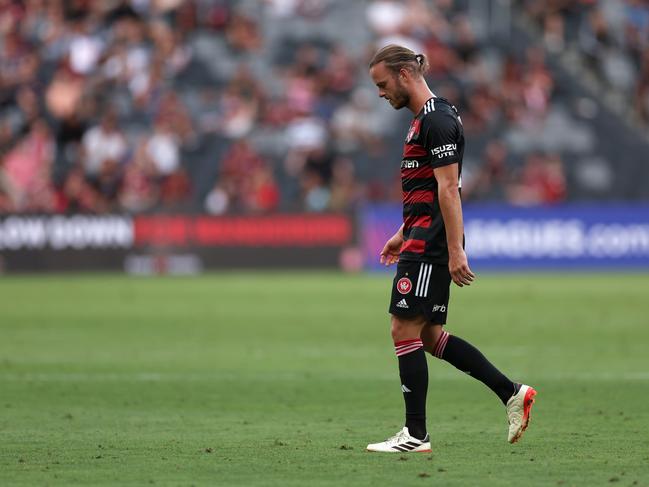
[(413, 371), (430, 334), (465, 357), (518, 398), (406, 325), (453, 349)]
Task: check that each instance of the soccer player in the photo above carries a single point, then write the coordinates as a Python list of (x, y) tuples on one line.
[(429, 251)]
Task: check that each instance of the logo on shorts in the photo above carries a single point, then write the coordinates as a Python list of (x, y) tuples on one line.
[(404, 286), (439, 307), (402, 304)]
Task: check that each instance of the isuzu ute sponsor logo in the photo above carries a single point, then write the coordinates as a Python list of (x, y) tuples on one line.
[(444, 150)]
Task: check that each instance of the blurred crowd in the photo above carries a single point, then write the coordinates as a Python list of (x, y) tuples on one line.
[(612, 35), (63, 67), (256, 106)]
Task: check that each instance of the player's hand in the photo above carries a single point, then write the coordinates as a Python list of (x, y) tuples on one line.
[(391, 250), (458, 266)]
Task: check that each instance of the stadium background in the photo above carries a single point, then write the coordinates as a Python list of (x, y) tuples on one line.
[(240, 143), (254, 109)]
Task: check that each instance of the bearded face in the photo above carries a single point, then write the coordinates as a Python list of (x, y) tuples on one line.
[(399, 97), (390, 86)]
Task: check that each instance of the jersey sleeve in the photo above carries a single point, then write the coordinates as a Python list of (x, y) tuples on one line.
[(442, 133)]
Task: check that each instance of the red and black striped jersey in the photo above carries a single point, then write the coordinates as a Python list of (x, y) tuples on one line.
[(435, 139)]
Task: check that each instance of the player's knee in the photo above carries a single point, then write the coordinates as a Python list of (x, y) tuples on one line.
[(402, 329), (430, 335), (436, 332), (395, 331)]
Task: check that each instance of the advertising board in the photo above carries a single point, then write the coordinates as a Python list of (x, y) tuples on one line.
[(172, 243), (557, 237)]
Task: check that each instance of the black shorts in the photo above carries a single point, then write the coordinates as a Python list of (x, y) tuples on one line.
[(421, 289)]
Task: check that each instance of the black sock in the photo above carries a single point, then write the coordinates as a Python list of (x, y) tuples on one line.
[(469, 359), (413, 370)]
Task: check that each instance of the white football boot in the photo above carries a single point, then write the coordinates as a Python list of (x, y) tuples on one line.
[(402, 442), (519, 407)]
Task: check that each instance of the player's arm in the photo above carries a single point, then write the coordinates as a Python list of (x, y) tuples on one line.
[(392, 248), (451, 206)]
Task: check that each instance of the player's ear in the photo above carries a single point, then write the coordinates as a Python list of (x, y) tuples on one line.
[(404, 75)]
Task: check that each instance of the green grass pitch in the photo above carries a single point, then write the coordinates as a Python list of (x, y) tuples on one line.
[(246, 379)]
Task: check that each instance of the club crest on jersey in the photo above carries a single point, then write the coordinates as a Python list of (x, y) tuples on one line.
[(414, 130), (404, 286)]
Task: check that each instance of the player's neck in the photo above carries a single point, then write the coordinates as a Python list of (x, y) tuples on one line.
[(420, 96)]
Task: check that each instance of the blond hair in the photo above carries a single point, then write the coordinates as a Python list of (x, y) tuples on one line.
[(397, 58)]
